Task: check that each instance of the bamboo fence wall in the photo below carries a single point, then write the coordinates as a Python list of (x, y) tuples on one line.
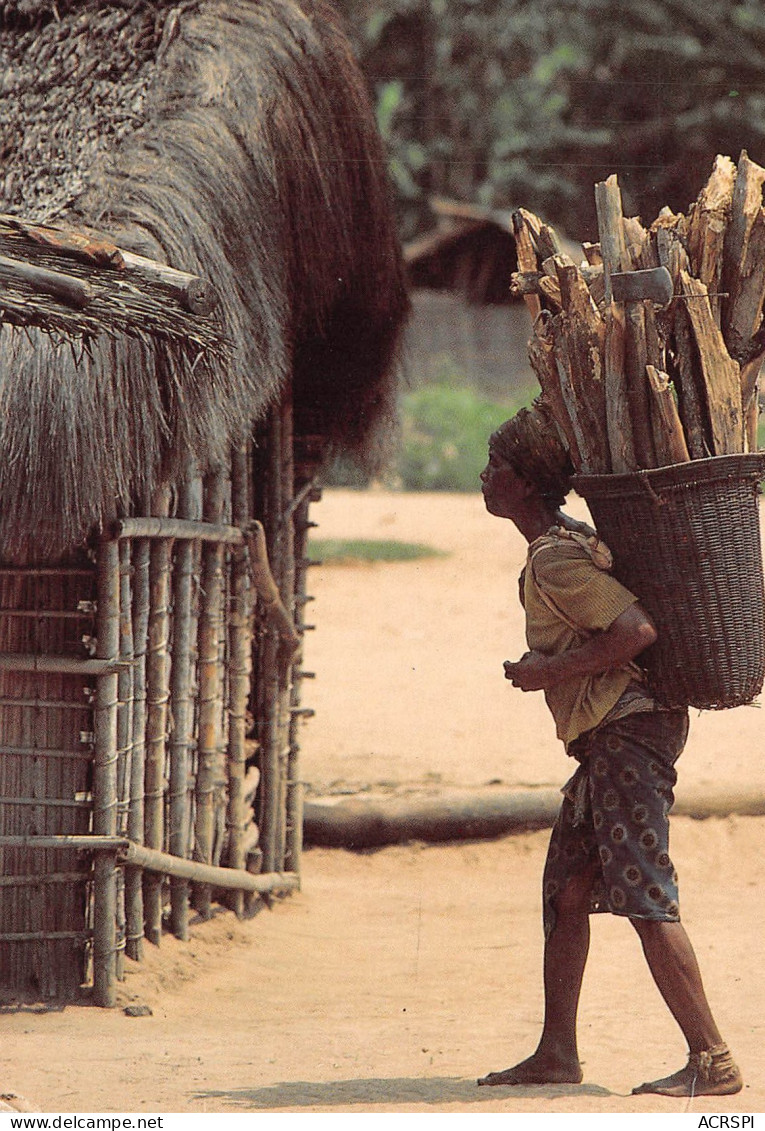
[(150, 702)]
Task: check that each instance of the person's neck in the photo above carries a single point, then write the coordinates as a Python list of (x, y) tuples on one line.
[(535, 519)]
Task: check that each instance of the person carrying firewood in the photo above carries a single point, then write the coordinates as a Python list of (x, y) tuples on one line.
[(609, 847)]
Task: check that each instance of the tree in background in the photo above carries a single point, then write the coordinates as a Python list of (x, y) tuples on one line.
[(529, 102)]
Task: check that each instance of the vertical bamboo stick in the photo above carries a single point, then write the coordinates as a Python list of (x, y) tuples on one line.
[(240, 667), (269, 691), (209, 758), (181, 707), (289, 749), (124, 734), (135, 818), (158, 694), (105, 777)]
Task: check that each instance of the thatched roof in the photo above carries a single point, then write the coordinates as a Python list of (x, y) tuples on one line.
[(232, 140)]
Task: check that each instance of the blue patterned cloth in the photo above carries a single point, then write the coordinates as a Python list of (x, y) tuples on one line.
[(615, 815)]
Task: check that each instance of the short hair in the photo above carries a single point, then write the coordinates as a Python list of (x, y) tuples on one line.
[(531, 443)]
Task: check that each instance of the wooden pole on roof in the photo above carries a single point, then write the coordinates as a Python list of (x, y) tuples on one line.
[(210, 778), (158, 694), (135, 819), (181, 704), (105, 776)]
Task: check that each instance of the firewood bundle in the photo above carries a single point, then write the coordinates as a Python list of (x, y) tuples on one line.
[(648, 352)]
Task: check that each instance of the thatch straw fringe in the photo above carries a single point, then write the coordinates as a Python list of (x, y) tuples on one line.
[(210, 775), (157, 698), (181, 705), (135, 821), (259, 167), (105, 776)]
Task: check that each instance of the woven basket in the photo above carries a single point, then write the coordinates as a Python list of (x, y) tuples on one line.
[(686, 542)]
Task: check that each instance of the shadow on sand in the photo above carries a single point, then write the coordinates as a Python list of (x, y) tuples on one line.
[(436, 1091)]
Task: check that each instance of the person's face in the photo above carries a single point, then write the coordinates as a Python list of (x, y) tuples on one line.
[(503, 489)]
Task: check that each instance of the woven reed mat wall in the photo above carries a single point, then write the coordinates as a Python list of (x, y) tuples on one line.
[(44, 783)]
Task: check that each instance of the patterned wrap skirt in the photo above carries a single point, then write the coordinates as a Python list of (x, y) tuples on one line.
[(614, 819)]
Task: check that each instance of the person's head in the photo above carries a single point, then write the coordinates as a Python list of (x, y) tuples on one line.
[(526, 457)]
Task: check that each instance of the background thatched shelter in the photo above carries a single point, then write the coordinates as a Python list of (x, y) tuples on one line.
[(153, 471)]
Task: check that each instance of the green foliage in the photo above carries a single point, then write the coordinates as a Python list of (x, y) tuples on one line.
[(445, 433), (351, 551), (529, 102)]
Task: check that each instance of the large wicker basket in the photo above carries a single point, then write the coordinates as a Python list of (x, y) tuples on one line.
[(686, 541)]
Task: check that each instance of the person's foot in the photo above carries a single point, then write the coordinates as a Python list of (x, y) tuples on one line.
[(537, 1069), (712, 1072)]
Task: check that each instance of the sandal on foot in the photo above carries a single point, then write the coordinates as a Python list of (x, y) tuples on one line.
[(711, 1072)]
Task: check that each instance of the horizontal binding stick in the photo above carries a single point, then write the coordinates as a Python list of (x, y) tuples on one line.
[(183, 528), (208, 874)]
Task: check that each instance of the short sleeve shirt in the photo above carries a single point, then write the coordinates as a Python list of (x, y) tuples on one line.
[(567, 597)]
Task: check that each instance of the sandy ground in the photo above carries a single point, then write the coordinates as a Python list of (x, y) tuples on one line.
[(396, 977)]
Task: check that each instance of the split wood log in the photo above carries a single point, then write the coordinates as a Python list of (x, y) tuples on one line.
[(668, 435), (621, 441), (640, 249), (707, 224), (743, 273), (718, 372), (689, 384), (578, 336), (527, 257), (593, 254), (526, 283), (541, 350), (626, 370)]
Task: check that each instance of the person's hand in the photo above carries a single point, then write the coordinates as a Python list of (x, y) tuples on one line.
[(533, 672)]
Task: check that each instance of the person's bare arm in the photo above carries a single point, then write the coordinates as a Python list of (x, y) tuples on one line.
[(631, 633)]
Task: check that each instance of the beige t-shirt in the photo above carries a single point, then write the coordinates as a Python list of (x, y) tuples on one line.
[(590, 598)]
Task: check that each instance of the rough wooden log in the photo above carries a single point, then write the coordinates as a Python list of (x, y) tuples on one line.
[(718, 372), (526, 283), (527, 257), (743, 274), (541, 351), (621, 441), (579, 334), (67, 288), (707, 224), (627, 380), (668, 435)]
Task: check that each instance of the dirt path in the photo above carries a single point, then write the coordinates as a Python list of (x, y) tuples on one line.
[(396, 977)]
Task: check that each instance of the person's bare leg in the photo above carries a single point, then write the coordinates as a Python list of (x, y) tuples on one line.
[(673, 964), (556, 1059)]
